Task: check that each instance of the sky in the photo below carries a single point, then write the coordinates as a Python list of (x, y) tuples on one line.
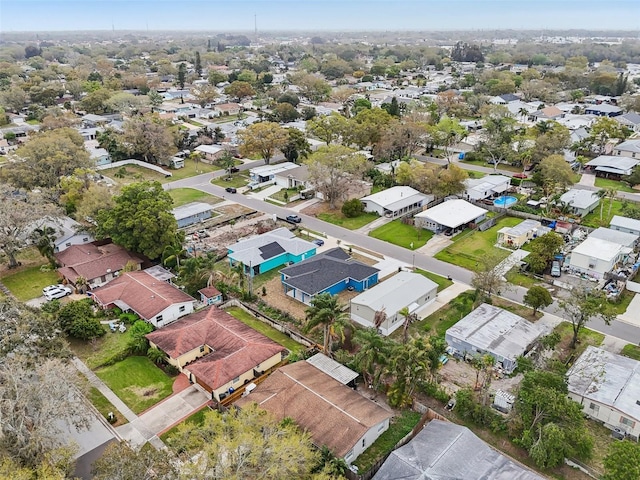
[(345, 15)]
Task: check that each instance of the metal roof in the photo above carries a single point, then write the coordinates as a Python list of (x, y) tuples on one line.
[(395, 198), (598, 248), (191, 209), (396, 292), (614, 236), (452, 213), (332, 368), (625, 222), (579, 198)]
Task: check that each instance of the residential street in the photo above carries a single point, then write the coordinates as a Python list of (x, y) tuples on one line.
[(618, 329)]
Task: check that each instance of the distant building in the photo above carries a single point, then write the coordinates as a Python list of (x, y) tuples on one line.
[(630, 148), (613, 166), (603, 110)]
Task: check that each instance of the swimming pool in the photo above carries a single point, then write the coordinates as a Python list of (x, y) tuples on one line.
[(505, 201)]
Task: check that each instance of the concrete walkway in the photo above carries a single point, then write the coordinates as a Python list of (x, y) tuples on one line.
[(632, 315), (434, 245), (267, 192), (511, 261), (378, 222), (587, 180), (302, 205)]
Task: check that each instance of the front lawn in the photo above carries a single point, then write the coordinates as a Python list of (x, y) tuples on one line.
[(608, 183), (403, 235), (482, 163), (623, 302), (632, 351), (104, 350), (593, 219), (337, 218), (182, 196), (291, 192), (105, 407), (399, 427), (586, 337), (190, 169), (266, 330), (515, 277), (27, 282), (442, 282), (137, 382), (468, 251), (236, 180)]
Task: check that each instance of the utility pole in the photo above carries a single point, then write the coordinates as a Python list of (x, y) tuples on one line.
[(255, 28)]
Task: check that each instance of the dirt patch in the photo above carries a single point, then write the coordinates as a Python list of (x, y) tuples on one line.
[(318, 208), (457, 374), (149, 391)]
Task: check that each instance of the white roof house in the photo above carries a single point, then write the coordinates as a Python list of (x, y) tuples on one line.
[(581, 201), (617, 165), (395, 201), (615, 236), (608, 388), (404, 289), (481, 188), (494, 331), (630, 148), (625, 224), (450, 214), (265, 173), (596, 257), (209, 149)]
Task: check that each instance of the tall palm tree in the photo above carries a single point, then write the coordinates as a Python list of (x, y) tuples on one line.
[(611, 194), (172, 253), (81, 284), (325, 311), (602, 193), (372, 356), (408, 318)]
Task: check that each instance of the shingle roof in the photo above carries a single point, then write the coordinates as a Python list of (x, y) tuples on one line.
[(444, 450), (321, 271), (629, 146), (143, 293), (237, 348), (255, 250), (91, 261), (331, 412)]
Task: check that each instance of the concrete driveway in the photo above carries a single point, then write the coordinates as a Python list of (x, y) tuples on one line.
[(434, 245)]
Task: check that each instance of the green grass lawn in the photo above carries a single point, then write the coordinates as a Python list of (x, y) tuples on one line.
[(632, 351), (482, 163), (398, 427), (137, 382), (623, 302), (514, 277), (190, 169), (104, 350), (291, 192), (337, 218), (586, 337), (402, 234), (608, 183), (104, 406), (182, 196), (442, 282), (236, 180), (593, 219), (467, 251), (196, 419), (265, 329), (28, 282)]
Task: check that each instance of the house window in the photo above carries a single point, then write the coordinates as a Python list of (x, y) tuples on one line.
[(381, 427), (236, 380), (628, 422), (349, 455), (85, 239), (159, 318), (594, 408), (182, 308), (68, 244), (364, 442), (202, 349)]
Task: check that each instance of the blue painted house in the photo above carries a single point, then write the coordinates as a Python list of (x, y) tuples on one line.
[(191, 213), (332, 272), (270, 250), (210, 296)]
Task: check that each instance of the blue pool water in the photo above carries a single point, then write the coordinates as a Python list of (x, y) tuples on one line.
[(505, 201)]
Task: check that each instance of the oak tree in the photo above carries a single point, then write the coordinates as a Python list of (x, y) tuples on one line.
[(264, 139)]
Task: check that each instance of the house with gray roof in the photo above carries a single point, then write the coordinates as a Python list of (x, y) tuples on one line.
[(270, 250), (615, 236), (191, 213), (625, 224), (603, 110), (444, 450), (494, 331), (582, 202), (630, 148), (395, 201), (607, 386), (403, 290), (486, 187), (334, 369), (630, 120), (330, 272), (613, 166)]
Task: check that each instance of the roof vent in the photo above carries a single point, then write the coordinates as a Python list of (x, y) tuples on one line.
[(108, 270)]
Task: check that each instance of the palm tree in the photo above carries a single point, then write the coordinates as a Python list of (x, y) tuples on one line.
[(156, 355), (611, 194), (408, 318), (379, 317), (602, 193), (227, 162), (172, 253), (81, 284), (325, 311), (410, 364), (372, 356)]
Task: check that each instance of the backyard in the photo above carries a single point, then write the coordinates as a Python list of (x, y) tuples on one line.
[(182, 196), (266, 330), (593, 219), (401, 234), (469, 250), (137, 382), (337, 218)]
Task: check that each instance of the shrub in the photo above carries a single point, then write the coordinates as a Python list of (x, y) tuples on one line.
[(352, 208), (434, 391), (128, 318), (138, 342), (77, 319)]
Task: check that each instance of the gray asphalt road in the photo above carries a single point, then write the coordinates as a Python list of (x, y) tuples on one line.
[(618, 329)]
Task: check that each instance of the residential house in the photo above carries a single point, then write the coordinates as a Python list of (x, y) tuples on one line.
[(158, 302), (331, 271), (610, 166), (603, 110), (66, 232), (334, 369), (630, 120), (270, 250), (582, 202), (95, 263), (630, 148), (223, 109), (92, 121), (445, 450), (396, 202), (625, 224), (210, 296), (486, 187), (216, 350), (191, 213), (504, 99), (517, 236), (453, 214), (264, 174), (607, 386), (595, 257), (403, 290), (496, 332), (293, 178), (211, 153), (99, 156), (615, 236), (547, 113), (333, 414)]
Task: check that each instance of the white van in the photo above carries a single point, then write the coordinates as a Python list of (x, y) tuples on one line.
[(555, 269)]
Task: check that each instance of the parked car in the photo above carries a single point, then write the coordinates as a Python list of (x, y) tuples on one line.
[(203, 234), (555, 269), (293, 219), (234, 170), (448, 232), (60, 292), (318, 241), (51, 288), (450, 404), (520, 175), (230, 190)]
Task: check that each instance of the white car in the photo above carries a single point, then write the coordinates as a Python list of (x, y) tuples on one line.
[(61, 291), (51, 288)]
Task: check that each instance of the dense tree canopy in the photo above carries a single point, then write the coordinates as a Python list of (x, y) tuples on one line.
[(264, 139)]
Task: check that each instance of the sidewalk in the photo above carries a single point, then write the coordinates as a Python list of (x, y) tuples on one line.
[(443, 297), (512, 260)]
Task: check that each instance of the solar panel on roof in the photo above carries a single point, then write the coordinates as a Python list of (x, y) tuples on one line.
[(271, 250)]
